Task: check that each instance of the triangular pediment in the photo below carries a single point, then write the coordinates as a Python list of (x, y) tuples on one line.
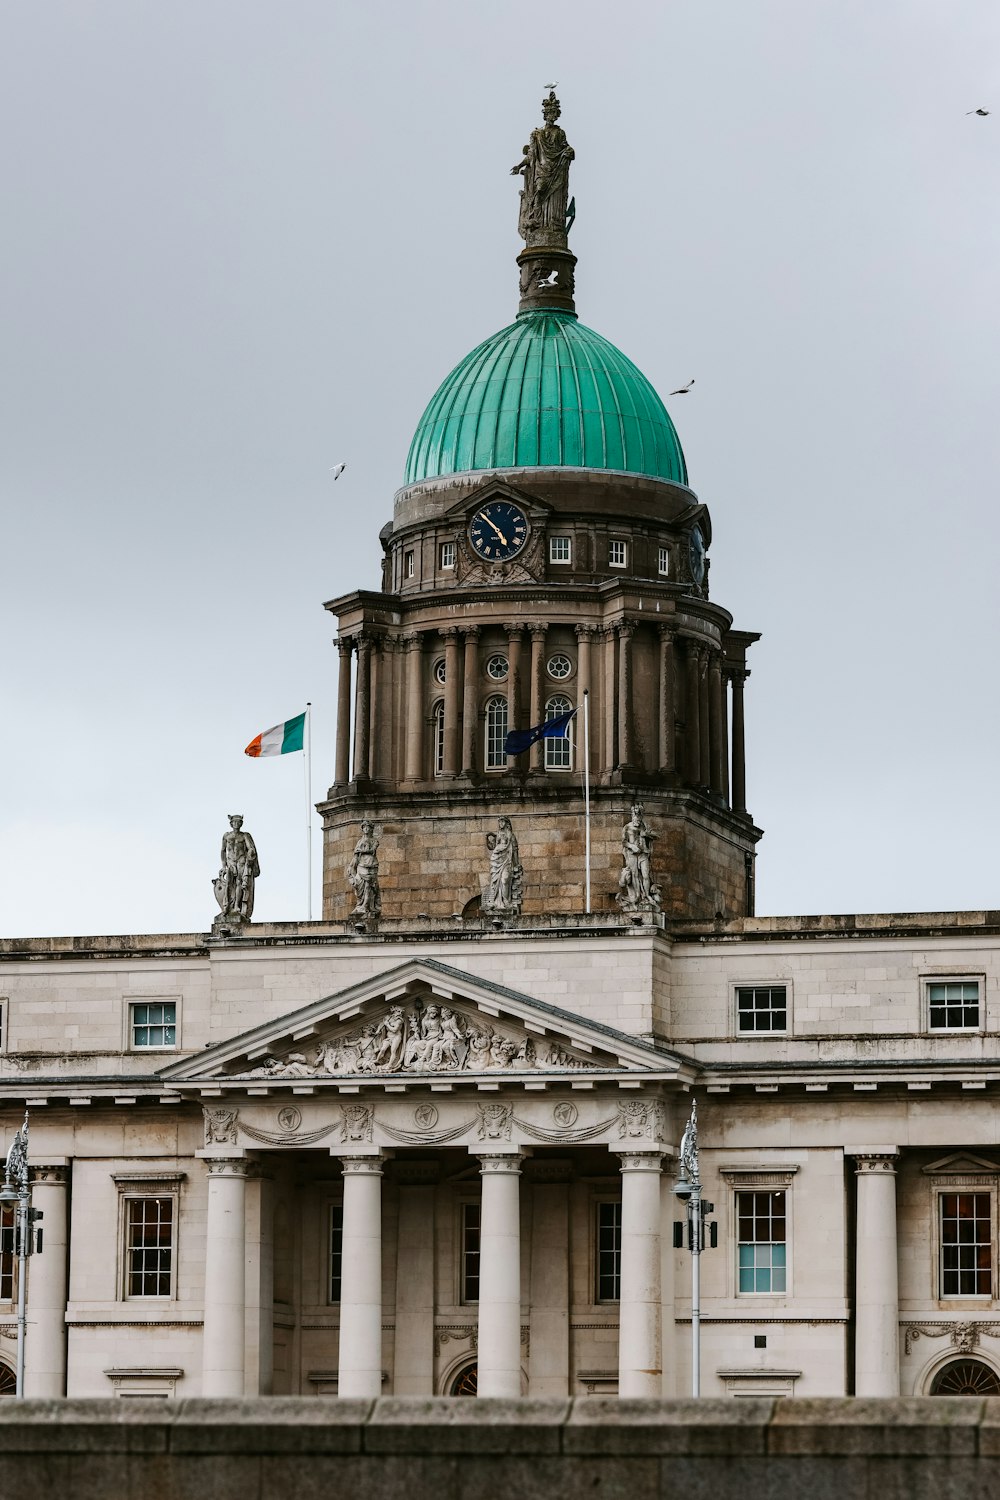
[(424, 1020), (498, 489), (962, 1164)]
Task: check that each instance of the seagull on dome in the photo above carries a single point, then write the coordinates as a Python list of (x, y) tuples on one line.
[(550, 85), (337, 470), (682, 390), (983, 112)]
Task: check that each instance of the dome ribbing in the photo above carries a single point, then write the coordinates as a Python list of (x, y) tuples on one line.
[(546, 392)]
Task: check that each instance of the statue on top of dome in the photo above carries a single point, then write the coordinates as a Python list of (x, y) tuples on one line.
[(545, 169)]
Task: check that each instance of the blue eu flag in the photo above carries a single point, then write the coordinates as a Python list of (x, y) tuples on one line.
[(519, 740)]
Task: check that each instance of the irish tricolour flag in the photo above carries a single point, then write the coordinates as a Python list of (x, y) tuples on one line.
[(281, 740)]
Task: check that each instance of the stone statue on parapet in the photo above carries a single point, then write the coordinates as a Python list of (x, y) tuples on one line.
[(636, 889), (545, 169), (362, 872), (234, 884), (505, 886)]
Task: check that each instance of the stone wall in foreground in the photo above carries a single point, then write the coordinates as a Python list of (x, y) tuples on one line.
[(439, 1449)]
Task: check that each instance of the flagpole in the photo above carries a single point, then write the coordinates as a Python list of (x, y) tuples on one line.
[(586, 789), (309, 826)]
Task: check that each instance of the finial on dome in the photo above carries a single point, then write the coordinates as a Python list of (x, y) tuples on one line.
[(546, 261)]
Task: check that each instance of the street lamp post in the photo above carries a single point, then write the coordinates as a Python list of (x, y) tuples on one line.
[(688, 1189), (16, 1193)]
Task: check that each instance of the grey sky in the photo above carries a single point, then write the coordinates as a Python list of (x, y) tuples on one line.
[(244, 240)]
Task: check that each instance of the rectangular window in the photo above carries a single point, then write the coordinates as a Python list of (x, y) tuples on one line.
[(470, 1252), (336, 1249), (609, 1252), (953, 1004), (618, 554), (153, 1023), (407, 564), (7, 1256), (761, 1248), (149, 1246), (966, 1245), (496, 734), (663, 564), (560, 549), (761, 1007), (447, 554)]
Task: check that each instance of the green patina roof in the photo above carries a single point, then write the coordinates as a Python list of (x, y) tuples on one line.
[(546, 392)]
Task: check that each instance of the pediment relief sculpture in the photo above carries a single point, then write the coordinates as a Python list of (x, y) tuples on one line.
[(421, 1038)]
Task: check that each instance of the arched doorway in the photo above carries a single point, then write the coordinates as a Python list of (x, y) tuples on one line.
[(966, 1377), (8, 1381), (466, 1382)]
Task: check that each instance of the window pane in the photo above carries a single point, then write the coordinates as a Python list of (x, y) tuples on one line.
[(558, 753), (7, 1256), (470, 1252), (496, 734), (148, 1246), (609, 1251), (336, 1249), (966, 1245), (760, 1250), (154, 1023)]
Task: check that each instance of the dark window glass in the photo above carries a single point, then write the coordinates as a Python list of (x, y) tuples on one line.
[(149, 1230), (609, 1252), (7, 1256), (966, 1245), (470, 1252), (953, 1004), (336, 1249), (761, 1007), (154, 1024), (761, 1249)]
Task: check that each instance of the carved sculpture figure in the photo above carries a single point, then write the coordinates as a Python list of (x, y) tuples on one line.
[(234, 884), (505, 890), (220, 1127), (545, 169), (420, 1039), (636, 889), (689, 1147), (16, 1165), (362, 872)]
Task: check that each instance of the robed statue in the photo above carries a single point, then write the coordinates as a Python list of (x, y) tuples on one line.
[(362, 872), (505, 886), (234, 884), (636, 888), (545, 169)]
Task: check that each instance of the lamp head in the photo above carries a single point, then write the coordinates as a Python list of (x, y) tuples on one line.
[(683, 1189)]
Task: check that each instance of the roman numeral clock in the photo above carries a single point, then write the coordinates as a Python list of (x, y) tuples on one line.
[(498, 531)]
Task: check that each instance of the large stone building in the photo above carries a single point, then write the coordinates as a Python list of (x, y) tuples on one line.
[(427, 1144)]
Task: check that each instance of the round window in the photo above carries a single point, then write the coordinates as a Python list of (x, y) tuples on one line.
[(439, 671), (497, 668), (966, 1377), (560, 666)]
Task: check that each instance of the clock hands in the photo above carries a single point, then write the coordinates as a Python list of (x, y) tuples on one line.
[(484, 517)]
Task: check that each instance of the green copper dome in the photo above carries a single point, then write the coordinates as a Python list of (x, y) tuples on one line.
[(546, 392)]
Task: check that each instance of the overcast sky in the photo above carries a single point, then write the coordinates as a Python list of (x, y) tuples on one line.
[(246, 239)]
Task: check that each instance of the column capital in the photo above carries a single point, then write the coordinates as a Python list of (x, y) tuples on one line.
[(363, 640), (344, 644), (585, 632), (514, 629), (493, 1162), (227, 1166), (370, 1165), (640, 1161), (537, 629), (625, 629), (54, 1174), (471, 632), (413, 640), (880, 1159), (736, 675), (449, 632), (666, 632)]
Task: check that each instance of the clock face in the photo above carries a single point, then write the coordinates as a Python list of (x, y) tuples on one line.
[(696, 554), (498, 530)]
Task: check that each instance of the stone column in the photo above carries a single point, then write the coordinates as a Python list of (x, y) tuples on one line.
[(414, 759), (413, 1368), (717, 749), (362, 709), (738, 678), (704, 727), (45, 1345), (640, 1371), (876, 1302), (452, 698), (668, 1327), (224, 1333), (499, 1339), (470, 699), (342, 774), (692, 735), (584, 637), (548, 1363), (667, 710), (514, 635), (724, 699), (360, 1363), (609, 703), (536, 755), (383, 716), (626, 748)]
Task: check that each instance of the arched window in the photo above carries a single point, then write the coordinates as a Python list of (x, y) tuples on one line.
[(496, 733), (558, 753), (466, 1382), (966, 1377), (437, 742), (8, 1381)]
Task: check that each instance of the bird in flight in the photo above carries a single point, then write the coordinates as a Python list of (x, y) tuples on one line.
[(337, 470), (552, 85), (682, 390), (983, 112), (549, 280)]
